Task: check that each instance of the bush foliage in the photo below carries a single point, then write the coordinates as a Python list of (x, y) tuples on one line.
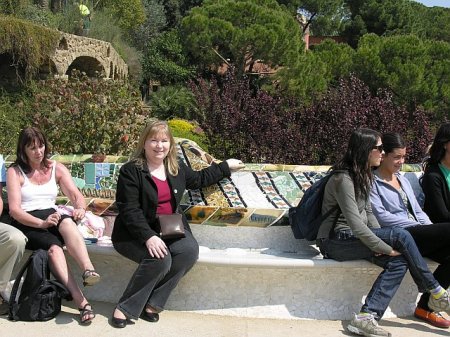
[(85, 115), (28, 43), (13, 117), (189, 130), (257, 127)]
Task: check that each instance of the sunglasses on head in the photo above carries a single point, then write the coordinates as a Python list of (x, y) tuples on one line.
[(378, 147)]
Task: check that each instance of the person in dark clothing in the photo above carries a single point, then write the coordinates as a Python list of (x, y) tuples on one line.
[(436, 177), (152, 184)]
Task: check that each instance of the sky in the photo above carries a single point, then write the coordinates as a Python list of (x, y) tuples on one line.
[(431, 3)]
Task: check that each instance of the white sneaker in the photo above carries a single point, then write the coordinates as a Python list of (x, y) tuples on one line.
[(366, 325), (440, 304)]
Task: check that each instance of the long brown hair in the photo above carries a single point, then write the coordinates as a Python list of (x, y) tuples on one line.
[(356, 159), (27, 137), (154, 128)]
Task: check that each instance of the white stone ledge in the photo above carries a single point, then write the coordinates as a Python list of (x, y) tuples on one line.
[(255, 258)]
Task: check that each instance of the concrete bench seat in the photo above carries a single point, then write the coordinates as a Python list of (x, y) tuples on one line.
[(283, 281)]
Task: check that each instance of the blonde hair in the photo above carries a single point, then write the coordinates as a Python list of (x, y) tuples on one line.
[(154, 128)]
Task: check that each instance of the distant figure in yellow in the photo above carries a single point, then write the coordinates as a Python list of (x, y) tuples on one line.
[(86, 14)]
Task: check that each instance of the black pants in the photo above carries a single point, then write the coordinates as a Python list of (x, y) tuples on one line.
[(154, 279), (42, 238), (433, 242)]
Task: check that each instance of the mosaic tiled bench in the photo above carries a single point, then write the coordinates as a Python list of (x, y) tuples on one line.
[(249, 263)]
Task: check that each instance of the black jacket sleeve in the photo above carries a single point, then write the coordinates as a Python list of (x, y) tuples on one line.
[(129, 204), (205, 177)]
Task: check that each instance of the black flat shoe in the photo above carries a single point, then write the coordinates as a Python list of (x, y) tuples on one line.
[(119, 322), (150, 316)]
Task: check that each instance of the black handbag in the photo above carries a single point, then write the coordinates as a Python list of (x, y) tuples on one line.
[(171, 226)]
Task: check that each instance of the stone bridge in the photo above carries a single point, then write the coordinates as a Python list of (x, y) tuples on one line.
[(94, 57)]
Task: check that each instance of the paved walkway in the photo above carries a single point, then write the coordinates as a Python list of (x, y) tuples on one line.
[(177, 323)]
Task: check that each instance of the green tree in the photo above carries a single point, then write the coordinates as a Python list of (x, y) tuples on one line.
[(338, 58), (417, 71), (165, 61), (177, 9), (316, 70), (305, 80), (383, 17), (130, 13), (242, 32), (437, 23), (12, 6), (155, 22), (321, 17)]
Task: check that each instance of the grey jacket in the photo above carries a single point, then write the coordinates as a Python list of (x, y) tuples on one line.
[(355, 214)]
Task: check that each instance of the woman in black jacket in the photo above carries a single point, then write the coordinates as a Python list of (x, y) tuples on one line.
[(152, 184), (436, 178)]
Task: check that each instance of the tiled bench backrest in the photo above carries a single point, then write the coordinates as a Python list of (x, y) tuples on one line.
[(257, 196)]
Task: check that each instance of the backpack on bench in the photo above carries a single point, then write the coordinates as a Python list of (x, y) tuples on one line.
[(306, 218), (40, 297)]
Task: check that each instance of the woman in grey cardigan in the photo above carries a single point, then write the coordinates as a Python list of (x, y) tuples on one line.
[(352, 232)]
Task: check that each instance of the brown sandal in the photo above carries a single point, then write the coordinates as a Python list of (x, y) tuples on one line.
[(85, 312), (90, 277)]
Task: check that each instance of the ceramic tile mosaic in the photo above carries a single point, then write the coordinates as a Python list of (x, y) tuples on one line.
[(259, 195)]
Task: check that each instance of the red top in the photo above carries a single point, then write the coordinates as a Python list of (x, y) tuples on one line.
[(164, 196)]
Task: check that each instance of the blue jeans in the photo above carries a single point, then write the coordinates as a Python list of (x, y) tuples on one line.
[(394, 268)]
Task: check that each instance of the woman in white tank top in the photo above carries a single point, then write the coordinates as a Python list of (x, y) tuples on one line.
[(32, 183)]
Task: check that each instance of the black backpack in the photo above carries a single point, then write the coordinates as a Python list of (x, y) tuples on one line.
[(306, 218), (40, 297)]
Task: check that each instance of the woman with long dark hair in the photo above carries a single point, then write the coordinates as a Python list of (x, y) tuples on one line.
[(352, 232), (436, 177)]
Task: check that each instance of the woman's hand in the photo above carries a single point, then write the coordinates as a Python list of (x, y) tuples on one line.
[(395, 253), (52, 220), (392, 253), (235, 164), (78, 213), (156, 247)]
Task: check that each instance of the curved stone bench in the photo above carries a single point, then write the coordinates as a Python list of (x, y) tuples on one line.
[(259, 281), (249, 262)]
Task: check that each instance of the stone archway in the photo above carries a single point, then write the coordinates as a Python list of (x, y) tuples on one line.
[(11, 72), (87, 64)]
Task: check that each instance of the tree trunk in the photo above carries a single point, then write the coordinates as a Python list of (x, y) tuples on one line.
[(44, 4), (56, 5)]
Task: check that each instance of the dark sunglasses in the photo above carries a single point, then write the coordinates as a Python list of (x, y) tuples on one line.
[(378, 147)]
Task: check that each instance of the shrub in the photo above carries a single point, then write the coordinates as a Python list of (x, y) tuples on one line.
[(254, 127), (257, 127), (28, 43), (329, 122), (190, 130), (12, 112), (174, 101), (85, 115)]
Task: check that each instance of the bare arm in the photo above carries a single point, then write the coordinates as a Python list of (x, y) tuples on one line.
[(65, 181)]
